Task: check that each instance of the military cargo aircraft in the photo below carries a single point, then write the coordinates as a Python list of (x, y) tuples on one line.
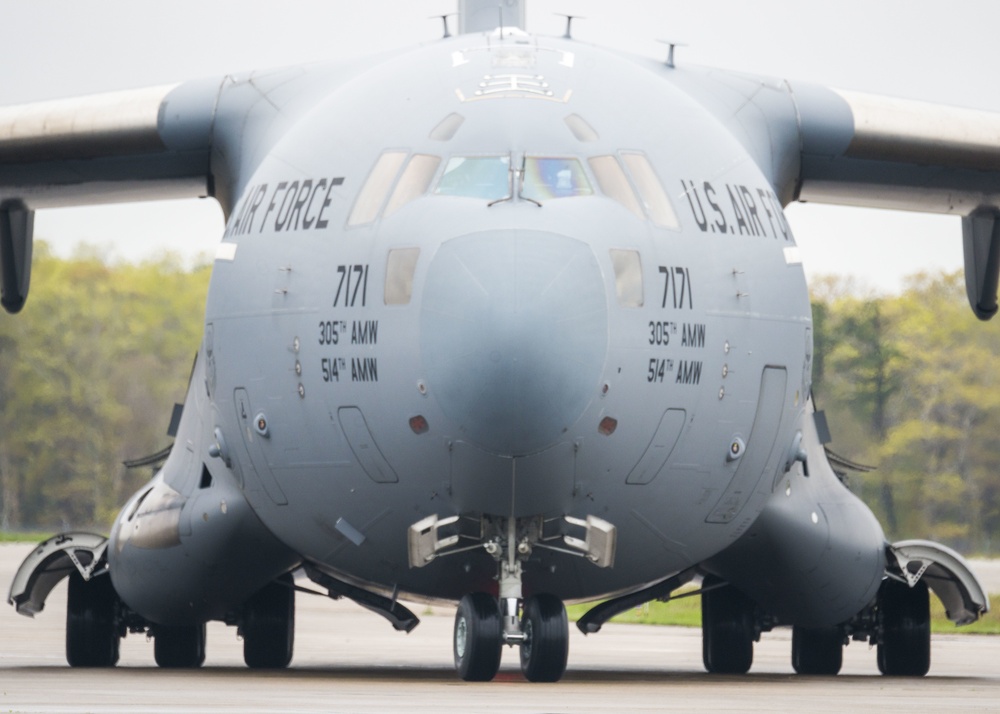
[(476, 334)]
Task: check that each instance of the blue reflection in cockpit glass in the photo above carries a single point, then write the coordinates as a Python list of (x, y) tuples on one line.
[(548, 178), (485, 177)]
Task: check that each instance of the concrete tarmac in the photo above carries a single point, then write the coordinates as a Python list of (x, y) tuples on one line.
[(349, 660)]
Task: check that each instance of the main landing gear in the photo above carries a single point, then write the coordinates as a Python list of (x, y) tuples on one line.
[(93, 633), (731, 624), (904, 629), (728, 628), (180, 647), (898, 623), (268, 626), (96, 621)]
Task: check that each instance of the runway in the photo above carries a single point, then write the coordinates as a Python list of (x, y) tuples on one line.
[(349, 660)]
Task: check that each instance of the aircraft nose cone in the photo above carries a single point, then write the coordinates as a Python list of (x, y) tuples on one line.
[(513, 336)]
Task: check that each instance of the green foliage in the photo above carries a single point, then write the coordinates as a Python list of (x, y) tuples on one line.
[(88, 375), (682, 612), (23, 536), (909, 385), (989, 624)]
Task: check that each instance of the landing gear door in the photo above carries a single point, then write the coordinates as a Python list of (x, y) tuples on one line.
[(52, 561)]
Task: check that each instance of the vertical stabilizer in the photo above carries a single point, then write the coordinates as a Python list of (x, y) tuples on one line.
[(485, 15)]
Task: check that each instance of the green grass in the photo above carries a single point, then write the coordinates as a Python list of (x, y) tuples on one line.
[(988, 625), (8, 537), (686, 612)]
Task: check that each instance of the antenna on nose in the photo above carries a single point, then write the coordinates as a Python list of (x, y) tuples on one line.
[(568, 35), (444, 19), (670, 53)]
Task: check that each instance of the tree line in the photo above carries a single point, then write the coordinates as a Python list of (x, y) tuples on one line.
[(89, 373), (91, 368), (910, 384)]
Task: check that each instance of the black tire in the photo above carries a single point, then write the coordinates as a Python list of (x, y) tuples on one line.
[(92, 633), (478, 637), (727, 629), (904, 617), (546, 645), (179, 647), (817, 651), (269, 625)]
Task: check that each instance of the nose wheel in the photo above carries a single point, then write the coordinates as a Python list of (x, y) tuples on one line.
[(545, 648), (485, 622), (478, 637)]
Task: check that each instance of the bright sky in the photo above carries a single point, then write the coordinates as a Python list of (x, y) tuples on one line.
[(920, 49)]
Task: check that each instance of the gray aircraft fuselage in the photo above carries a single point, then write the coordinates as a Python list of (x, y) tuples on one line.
[(384, 346), (509, 321)]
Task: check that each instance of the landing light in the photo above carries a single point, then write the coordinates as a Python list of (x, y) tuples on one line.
[(607, 426)]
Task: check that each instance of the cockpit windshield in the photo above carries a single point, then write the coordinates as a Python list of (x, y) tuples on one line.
[(546, 178), (488, 177), (485, 177)]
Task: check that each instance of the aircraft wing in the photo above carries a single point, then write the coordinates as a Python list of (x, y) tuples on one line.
[(121, 146), (866, 150), (199, 138)]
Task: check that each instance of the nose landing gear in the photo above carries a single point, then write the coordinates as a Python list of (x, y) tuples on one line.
[(484, 623), (542, 634), (537, 625)]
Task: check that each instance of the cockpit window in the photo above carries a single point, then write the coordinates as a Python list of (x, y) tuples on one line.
[(628, 277), (414, 182), (613, 182), (446, 130), (655, 198), (485, 177), (546, 178), (373, 193)]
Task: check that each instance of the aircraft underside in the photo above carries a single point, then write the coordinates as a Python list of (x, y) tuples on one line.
[(175, 558)]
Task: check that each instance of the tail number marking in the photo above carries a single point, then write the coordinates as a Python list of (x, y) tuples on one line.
[(353, 284), (676, 287)]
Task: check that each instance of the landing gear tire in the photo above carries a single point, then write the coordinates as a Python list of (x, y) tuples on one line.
[(269, 625), (179, 647), (904, 648), (92, 636), (727, 629), (478, 637), (817, 650), (546, 639)]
